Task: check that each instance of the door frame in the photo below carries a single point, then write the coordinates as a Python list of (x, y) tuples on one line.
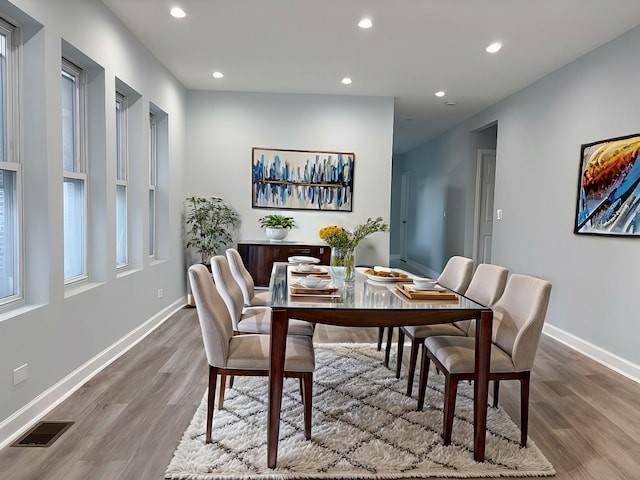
[(476, 216), (404, 214)]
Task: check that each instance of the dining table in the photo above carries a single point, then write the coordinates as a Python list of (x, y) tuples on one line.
[(369, 302)]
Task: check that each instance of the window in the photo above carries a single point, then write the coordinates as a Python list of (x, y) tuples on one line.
[(75, 176), (152, 183), (10, 173), (121, 180)]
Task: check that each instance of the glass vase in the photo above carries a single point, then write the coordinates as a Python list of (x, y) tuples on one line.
[(343, 266)]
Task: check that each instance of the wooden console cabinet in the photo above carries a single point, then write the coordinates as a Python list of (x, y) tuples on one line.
[(259, 256)]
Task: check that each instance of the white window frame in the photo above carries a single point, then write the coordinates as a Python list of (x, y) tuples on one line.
[(122, 174), (152, 197), (10, 158), (80, 162)]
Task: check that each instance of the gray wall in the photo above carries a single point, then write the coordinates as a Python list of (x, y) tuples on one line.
[(57, 332), (540, 131), (224, 126)]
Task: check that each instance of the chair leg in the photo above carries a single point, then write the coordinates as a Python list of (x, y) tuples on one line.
[(524, 408), (223, 387), (380, 336), (307, 396), (399, 352), (413, 358), (424, 376), (496, 392), (450, 391), (387, 350), (213, 376)]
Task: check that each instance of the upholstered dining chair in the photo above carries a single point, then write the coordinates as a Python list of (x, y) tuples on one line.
[(243, 355), (456, 276), (245, 280), (518, 317), (486, 287), (247, 319)]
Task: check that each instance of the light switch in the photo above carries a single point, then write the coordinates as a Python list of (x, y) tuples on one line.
[(499, 214)]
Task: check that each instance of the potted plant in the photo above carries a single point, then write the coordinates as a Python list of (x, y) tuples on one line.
[(277, 226), (210, 223)]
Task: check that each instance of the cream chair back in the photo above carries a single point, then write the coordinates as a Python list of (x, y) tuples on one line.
[(214, 318), (518, 318), (241, 275), (486, 288), (229, 289), (457, 274)]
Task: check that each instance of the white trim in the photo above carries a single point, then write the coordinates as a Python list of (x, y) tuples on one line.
[(608, 359), (18, 423)]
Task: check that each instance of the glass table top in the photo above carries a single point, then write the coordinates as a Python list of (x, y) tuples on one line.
[(364, 293)]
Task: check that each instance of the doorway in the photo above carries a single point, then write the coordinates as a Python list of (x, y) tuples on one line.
[(483, 223)]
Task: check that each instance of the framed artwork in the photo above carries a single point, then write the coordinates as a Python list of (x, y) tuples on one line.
[(302, 179), (609, 187)]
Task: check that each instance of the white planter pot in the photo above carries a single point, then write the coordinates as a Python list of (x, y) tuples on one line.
[(276, 234)]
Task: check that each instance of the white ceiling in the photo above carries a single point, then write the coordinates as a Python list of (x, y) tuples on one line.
[(415, 48)]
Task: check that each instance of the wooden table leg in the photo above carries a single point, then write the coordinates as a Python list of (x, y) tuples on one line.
[(481, 384), (279, 327)]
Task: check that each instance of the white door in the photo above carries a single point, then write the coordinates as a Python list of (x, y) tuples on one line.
[(485, 185), (404, 214)]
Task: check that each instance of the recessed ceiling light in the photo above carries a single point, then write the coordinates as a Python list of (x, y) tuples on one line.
[(217, 74), (493, 48), (365, 23), (177, 12), (440, 94), (346, 81)]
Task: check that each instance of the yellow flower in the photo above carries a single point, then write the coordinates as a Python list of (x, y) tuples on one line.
[(338, 237)]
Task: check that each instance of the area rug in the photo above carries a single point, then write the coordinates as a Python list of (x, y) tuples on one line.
[(364, 427)]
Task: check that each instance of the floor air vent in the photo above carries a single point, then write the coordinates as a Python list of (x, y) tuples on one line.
[(43, 434)]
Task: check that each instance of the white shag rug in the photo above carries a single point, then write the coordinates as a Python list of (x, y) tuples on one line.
[(363, 427)]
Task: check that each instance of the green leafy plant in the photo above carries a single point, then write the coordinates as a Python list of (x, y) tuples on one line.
[(210, 223), (277, 221)]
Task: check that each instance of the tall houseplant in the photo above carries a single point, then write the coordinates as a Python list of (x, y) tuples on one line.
[(210, 224)]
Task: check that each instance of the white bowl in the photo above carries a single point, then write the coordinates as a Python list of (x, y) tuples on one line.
[(424, 283), (311, 281), (306, 267)]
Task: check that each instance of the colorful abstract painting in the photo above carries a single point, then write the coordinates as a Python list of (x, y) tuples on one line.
[(300, 179), (609, 187)]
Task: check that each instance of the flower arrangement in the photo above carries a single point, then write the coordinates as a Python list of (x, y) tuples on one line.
[(343, 244), (338, 237)]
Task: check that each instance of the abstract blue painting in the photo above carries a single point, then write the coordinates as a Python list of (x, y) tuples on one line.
[(302, 179)]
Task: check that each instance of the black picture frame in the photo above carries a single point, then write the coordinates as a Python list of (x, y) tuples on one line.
[(608, 199), (302, 179)]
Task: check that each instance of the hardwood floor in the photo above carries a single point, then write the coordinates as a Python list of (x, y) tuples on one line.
[(130, 417)]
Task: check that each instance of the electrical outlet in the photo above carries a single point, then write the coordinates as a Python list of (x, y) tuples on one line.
[(20, 374), (160, 292)]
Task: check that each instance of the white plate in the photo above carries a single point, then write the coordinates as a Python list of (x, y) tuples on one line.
[(301, 259), (376, 278), (320, 286), (414, 288), (315, 270)]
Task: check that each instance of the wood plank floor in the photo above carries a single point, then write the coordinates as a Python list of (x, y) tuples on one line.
[(131, 416)]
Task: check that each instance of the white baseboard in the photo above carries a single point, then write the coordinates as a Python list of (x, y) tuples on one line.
[(608, 359), (18, 423)]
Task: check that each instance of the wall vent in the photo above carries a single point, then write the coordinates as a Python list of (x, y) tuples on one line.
[(43, 434)]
